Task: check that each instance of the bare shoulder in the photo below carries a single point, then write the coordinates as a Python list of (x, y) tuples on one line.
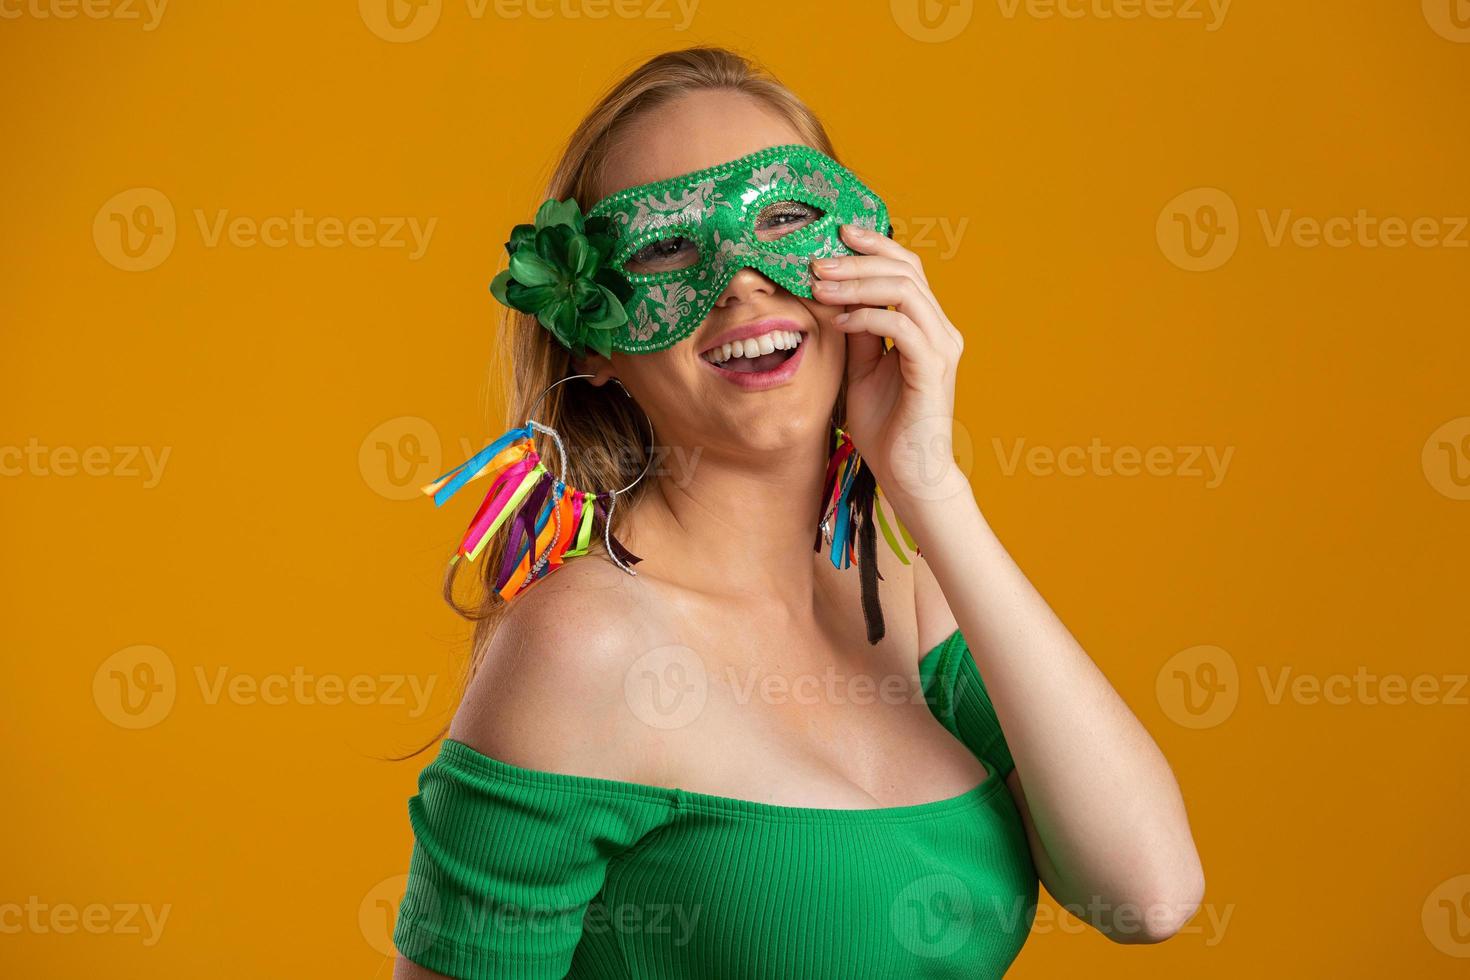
[(549, 693)]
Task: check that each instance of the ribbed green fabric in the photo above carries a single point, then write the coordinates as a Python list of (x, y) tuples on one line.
[(529, 874)]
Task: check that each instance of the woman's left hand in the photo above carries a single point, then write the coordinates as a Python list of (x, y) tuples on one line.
[(900, 402)]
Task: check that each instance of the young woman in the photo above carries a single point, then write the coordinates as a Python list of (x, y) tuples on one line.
[(749, 758)]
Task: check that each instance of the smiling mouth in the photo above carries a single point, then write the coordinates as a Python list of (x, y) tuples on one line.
[(756, 355)]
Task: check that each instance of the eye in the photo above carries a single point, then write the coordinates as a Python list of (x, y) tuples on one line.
[(664, 255), (783, 217)]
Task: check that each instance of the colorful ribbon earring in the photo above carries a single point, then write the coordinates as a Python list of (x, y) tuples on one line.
[(550, 521), (851, 501)]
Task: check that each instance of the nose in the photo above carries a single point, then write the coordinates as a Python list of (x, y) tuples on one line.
[(746, 285)]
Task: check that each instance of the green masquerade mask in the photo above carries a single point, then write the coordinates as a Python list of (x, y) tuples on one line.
[(645, 266)]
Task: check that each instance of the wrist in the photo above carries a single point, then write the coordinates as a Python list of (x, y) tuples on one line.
[(928, 502), (950, 535)]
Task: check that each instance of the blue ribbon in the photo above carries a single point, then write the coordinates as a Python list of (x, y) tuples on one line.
[(468, 469)]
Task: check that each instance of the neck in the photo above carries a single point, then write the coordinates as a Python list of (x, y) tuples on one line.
[(740, 523)]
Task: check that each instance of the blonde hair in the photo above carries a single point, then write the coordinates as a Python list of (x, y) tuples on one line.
[(604, 432)]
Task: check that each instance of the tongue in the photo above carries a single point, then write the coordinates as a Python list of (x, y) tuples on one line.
[(755, 365)]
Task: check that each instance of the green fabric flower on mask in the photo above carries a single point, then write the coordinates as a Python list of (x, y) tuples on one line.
[(560, 273)]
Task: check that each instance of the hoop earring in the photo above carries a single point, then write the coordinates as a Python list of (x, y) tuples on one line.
[(550, 521)]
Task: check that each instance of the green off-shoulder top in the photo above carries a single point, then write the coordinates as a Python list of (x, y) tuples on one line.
[(526, 873)]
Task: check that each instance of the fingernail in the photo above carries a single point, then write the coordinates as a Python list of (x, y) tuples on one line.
[(826, 265), (856, 231), (841, 318)]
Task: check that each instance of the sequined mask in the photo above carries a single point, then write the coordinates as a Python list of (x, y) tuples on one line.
[(680, 241)]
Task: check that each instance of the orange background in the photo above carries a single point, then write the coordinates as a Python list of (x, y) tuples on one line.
[(303, 391)]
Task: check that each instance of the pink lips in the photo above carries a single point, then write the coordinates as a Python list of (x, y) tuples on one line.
[(760, 380)]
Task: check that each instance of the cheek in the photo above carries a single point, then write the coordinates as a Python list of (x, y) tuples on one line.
[(661, 381), (821, 312), (827, 354), (829, 338)]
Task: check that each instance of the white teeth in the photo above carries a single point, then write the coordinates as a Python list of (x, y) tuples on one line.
[(755, 346)]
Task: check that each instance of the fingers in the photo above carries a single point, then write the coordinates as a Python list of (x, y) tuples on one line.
[(920, 357), (866, 268), (877, 290), (859, 266), (861, 240), (865, 351), (886, 275), (901, 292)]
